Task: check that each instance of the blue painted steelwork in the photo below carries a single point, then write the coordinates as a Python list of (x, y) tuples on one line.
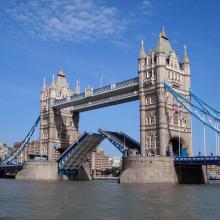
[(23, 144), (200, 111), (77, 154), (204, 105), (73, 157), (113, 140), (209, 160), (120, 140), (4, 166), (70, 150), (72, 172)]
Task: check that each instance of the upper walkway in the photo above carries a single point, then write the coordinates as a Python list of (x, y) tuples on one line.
[(113, 94)]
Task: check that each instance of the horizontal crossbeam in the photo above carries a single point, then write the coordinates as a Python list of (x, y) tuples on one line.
[(113, 94)]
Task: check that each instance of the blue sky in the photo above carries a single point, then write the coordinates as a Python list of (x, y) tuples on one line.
[(87, 38)]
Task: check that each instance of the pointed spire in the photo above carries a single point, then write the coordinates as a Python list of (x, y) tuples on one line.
[(185, 56), (142, 53), (53, 86), (77, 87), (44, 84), (61, 72)]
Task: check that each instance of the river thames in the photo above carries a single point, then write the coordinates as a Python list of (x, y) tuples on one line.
[(106, 200)]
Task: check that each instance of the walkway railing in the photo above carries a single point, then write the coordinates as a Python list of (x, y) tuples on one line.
[(98, 91)]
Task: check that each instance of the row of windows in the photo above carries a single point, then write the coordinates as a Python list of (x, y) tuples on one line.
[(149, 74), (149, 60), (176, 120), (174, 76), (151, 120), (151, 141), (151, 100)]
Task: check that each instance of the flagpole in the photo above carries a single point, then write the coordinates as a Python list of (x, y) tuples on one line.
[(100, 80)]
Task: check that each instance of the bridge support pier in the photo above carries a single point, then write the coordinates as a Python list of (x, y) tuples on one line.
[(39, 171), (148, 170)]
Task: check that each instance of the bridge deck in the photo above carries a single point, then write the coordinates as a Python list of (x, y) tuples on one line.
[(120, 140), (209, 160), (113, 94), (4, 166), (77, 153)]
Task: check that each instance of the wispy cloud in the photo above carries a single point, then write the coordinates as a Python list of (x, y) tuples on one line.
[(66, 20), (146, 7)]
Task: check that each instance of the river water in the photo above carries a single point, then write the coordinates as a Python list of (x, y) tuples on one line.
[(107, 200)]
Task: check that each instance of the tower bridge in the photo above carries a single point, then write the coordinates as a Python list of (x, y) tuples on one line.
[(166, 105)]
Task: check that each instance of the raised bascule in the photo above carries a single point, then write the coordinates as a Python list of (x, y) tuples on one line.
[(164, 153)]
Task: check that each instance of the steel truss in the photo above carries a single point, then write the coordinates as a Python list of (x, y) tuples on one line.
[(23, 144)]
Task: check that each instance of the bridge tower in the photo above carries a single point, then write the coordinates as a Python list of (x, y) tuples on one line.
[(58, 128), (163, 123)]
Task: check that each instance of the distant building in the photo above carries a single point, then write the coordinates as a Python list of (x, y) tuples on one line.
[(4, 151), (213, 170), (98, 162), (115, 161), (33, 149)]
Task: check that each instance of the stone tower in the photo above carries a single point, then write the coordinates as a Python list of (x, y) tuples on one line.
[(164, 124), (58, 128)]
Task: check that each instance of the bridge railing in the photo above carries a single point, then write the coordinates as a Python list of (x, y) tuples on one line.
[(206, 160), (99, 91)]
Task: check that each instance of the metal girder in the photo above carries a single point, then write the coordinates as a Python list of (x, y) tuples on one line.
[(4, 166), (198, 109), (77, 153), (113, 94), (113, 140), (120, 140), (23, 143), (197, 160), (206, 107)]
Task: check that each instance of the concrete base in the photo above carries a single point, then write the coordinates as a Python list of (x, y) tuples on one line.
[(39, 171), (148, 170)]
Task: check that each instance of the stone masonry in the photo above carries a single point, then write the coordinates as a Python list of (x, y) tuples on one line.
[(58, 128), (163, 122)]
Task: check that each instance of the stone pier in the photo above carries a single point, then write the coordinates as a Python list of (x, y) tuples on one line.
[(39, 171), (148, 170)]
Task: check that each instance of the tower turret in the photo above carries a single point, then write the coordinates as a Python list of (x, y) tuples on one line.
[(44, 90), (53, 89), (163, 44), (185, 56), (186, 69), (142, 53)]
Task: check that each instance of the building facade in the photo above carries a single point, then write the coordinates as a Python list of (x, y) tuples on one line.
[(98, 162), (163, 123), (115, 161)]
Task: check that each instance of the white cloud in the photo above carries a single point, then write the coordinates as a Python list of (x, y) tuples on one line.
[(66, 20), (146, 7)]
